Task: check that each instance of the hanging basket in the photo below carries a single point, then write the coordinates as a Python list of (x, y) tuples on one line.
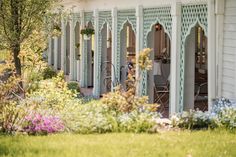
[(87, 37), (87, 33)]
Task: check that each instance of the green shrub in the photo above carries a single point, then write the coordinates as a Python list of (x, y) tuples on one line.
[(89, 118), (95, 117), (49, 73), (137, 122), (53, 94), (11, 116), (194, 120), (125, 101), (227, 118), (74, 86)]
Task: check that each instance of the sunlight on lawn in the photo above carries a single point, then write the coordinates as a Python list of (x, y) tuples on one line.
[(171, 144)]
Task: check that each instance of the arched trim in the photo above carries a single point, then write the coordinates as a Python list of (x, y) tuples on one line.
[(103, 24), (77, 23), (194, 24), (162, 24), (87, 23), (129, 21)]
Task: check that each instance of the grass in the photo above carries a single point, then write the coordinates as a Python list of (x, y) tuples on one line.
[(169, 144)]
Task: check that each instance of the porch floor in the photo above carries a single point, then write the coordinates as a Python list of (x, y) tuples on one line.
[(86, 91)]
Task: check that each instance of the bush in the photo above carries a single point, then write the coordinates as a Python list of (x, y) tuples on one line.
[(223, 115), (89, 118), (49, 73), (194, 120), (53, 94), (36, 123), (10, 111), (74, 86), (95, 117), (125, 101), (11, 116), (137, 122)]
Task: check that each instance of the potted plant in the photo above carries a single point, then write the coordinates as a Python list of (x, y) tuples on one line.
[(87, 33)]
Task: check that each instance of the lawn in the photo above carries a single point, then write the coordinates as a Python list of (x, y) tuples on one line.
[(169, 144)]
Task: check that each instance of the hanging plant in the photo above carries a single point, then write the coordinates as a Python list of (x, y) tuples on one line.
[(56, 30), (87, 33)]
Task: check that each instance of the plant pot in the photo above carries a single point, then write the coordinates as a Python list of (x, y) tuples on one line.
[(87, 37)]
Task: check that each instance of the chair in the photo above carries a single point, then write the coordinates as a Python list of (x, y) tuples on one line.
[(161, 91), (201, 98)]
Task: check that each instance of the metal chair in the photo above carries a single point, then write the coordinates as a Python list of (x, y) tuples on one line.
[(201, 98), (162, 91)]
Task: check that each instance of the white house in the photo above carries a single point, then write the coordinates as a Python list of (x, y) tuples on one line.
[(193, 43)]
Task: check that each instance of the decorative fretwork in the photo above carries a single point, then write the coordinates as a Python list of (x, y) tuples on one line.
[(161, 15), (76, 18), (105, 17), (88, 17), (191, 16), (123, 16)]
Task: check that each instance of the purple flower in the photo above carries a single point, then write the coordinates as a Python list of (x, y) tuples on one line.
[(39, 124)]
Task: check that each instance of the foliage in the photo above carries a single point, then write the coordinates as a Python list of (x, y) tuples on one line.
[(36, 123), (137, 121), (18, 19), (223, 114), (143, 59), (126, 100), (53, 93), (10, 112), (11, 116), (87, 31), (123, 101), (89, 118), (74, 86), (56, 30), (49, 73), (220, 104), (3, 55), (96, 117), (194, 120), (227, 118)]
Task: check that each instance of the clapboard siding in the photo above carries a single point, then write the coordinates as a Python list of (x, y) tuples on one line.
[(229, 50)]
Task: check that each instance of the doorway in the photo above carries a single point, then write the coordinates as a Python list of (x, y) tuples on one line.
[(159, 76), (106, 59), (196, 70), (127, 53)]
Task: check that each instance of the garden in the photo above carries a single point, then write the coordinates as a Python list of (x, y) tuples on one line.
[(43, 115)]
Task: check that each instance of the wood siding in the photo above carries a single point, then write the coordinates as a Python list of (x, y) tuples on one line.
[(229, 51)]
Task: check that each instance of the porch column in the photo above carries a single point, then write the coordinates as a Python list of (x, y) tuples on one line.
[(175, 56), (49, 51), (220, 9), (72, 49), (114, 45), (97, 69), (212, 53), (55, 52), (63, 45), (83, 53), (139, 45)]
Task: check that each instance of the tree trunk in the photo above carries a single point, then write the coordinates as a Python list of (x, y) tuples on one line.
[(16, 51)]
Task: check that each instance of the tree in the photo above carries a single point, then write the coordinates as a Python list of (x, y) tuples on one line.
[(18, 19)]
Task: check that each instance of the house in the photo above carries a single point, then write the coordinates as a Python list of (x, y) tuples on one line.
[(193, 43)]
